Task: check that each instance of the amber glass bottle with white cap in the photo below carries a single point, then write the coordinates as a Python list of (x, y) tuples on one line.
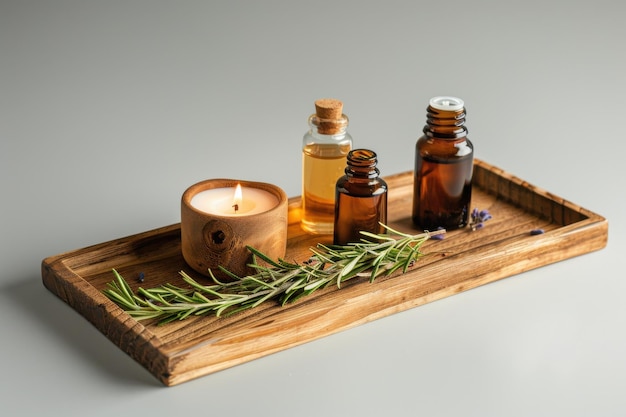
[(444, 157)]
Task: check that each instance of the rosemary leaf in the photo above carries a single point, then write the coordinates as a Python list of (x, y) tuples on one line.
[(124, 288)]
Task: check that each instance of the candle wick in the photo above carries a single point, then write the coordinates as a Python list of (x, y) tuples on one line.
[(236, 206)]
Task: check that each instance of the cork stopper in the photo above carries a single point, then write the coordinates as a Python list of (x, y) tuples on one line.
[(328, 108), (329, 112)]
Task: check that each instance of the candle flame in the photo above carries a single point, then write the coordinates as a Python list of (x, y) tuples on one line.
[(238, 197)]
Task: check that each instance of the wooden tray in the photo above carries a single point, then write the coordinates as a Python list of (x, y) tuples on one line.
[(198, 346)]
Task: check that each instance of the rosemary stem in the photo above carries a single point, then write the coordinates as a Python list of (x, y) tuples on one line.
[(373, 256)]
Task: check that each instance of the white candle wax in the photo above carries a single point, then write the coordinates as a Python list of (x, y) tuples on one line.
[(222, 201)]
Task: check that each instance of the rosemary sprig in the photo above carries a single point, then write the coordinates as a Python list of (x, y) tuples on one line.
[(285, 282)]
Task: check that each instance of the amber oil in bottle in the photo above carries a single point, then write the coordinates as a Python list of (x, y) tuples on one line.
[(444, 156), (360, 199), (324, 150)]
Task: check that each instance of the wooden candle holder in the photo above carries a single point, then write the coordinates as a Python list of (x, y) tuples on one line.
[(211, 240)]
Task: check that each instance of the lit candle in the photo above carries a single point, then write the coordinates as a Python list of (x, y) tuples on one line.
[(219, 223), (234, 201)]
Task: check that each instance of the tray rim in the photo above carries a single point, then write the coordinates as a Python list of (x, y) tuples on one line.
[(61, 279)]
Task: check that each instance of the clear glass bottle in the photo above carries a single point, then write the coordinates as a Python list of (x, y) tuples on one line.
[(324, 150), (360, 199), (444, 157)]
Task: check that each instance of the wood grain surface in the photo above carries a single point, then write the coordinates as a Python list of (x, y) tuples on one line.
[(184, 350)]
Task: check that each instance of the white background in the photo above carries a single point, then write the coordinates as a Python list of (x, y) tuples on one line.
[(109, 110)]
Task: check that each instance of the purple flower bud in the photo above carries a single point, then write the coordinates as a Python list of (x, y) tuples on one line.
[(478, 218), (535, 232), (440, 236)]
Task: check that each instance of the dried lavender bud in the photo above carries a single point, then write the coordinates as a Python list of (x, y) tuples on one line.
[(484, 215), (478, 218), (535, 232), (438, 236)]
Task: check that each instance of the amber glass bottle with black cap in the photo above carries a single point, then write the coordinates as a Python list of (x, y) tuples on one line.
[(444, 157), (360, 198)]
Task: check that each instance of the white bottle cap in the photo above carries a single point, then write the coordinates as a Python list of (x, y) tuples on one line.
[(446, 103)]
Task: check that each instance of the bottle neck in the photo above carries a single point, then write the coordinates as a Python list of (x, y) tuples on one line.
[(362, 164), (445, 124), (331, 127)]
